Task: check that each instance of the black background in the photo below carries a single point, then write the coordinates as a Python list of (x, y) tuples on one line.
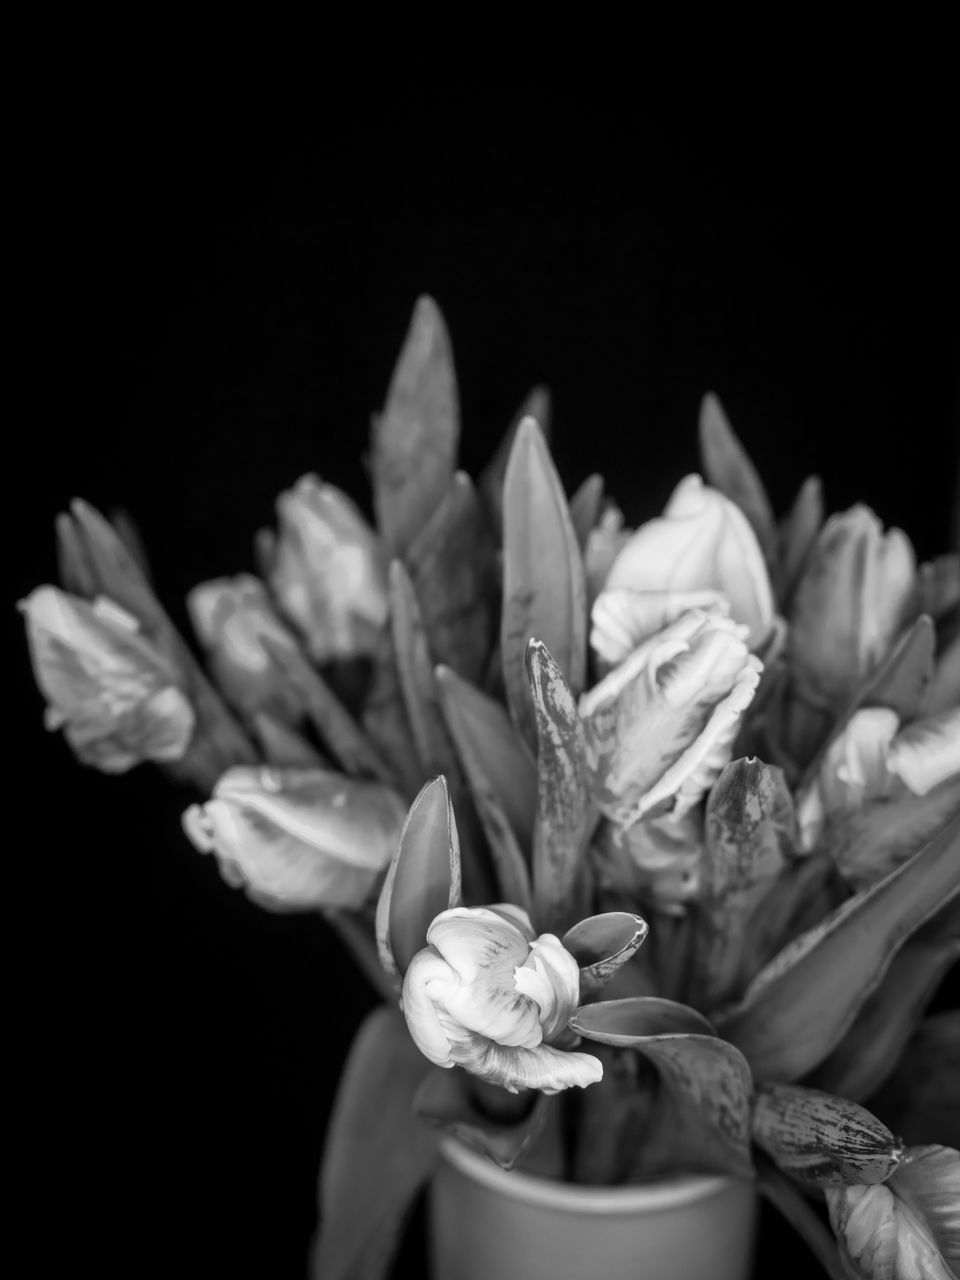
[(213, 307)]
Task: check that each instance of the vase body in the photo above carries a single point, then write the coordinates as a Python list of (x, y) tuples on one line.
[(486, 1224)]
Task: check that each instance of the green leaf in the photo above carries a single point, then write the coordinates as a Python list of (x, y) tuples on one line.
[(727, 467), (803, 894), (798, 533), (334, 724), (282, 746), (544, 592), (447, 1100), (384, 718), (821, 1139), (800, 1006), (585, 506), (414, 442), (491, 753), (376, 1143), (422, 880), (418, 683), (510, 865), (536, 406), (601, 945), (750, 836), (871, 1049), (565, 818), (453, 570), (701, 1072), (114, 569)]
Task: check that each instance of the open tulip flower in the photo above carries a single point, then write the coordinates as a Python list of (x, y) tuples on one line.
[(497, 736)]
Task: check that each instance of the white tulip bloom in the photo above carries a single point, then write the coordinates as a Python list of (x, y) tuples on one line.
[(299, 838), (702, 542), (488, 995), (327, 572), (117, 696), (660, 727)]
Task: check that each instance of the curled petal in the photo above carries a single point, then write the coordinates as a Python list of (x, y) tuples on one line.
[(621, 619), (545, 1068), (927, 752), (550, 977)]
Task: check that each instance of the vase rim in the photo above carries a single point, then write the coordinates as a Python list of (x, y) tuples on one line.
[(666, 1193)]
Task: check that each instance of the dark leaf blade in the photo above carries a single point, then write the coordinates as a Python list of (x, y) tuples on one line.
[(622, 1022), (490, 751), (385, 1149), (422, 880), (509, 864), (452, 566), (564, 813), (544, 589), (727, 467), (415, 440), (821, 1139), (801, 1004), (870, 1050), (603, 944), (750, 836), (797, 535)]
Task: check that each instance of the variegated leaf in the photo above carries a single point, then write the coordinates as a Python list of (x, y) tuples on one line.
[(422, 880), (801, 1004), (565, 818), (415, 440), (821, 1139), (544, 591)]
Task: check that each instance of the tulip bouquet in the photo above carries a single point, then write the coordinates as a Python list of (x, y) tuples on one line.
[(649, 838)]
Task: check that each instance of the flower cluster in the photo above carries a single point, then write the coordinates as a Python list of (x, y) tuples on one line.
[(497, 736)]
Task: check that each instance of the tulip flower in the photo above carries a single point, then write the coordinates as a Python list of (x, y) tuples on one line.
[(907, 1228), (660, 727), (116, 695), (488, 995), (620, 619), (299, 839), (702, 542), (231, 617), (327, 572), (849, 605)]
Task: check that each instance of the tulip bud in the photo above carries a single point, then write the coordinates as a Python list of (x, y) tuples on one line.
[(849, 605), (328, 574), (660, 727), (603, 544), (231, 616), (299, 839), (116, 696), (488, 995), (702, 542)]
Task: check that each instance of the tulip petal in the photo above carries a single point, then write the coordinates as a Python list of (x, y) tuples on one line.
[(927, 752), (621, 619), (545, 1068), (585, 507), (536, 405), (601, 945)]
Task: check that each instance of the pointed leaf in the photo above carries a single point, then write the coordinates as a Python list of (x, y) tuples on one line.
[(283, 746), (873, 1046), (383, 1149), (537, 406), (334, 724), (418, 683), (727, 467), (422, 880), (129, 534), (76, 573), (565, 818), (117, 573), (798, 533), (806, 891), (585, 506), (510, 865), (701, 1072), (445, 1100), (544, 592), (603, 944), (490, 752), (452, 567), (820, 1139), (384, 717), (414, 442), (801, 1005), (622, 1022), (750, 836)]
